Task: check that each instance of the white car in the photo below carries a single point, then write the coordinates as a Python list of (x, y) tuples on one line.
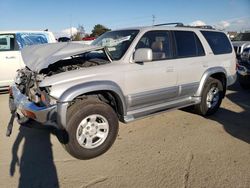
[(11, 42)]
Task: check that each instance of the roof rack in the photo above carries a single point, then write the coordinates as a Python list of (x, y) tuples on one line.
[(177, 24), (204, 27)]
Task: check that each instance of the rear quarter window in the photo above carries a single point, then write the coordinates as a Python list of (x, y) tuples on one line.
[(218, 42)]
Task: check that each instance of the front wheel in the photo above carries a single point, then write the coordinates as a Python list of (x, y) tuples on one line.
[(211, 97), (92, 128)]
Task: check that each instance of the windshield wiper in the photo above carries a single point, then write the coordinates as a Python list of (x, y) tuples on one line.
[(107, 53)]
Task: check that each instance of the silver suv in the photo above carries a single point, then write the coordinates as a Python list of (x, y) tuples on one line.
[(123, 76)]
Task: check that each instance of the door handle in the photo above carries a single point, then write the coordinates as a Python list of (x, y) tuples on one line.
[(170, 69), (10, 57)]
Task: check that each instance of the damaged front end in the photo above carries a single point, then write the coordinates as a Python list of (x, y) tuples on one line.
[(28, 99), (27, 82)]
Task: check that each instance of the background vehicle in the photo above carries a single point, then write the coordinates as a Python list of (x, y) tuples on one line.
[(63, 39), (88, 40), (240, 42), (243, 69), (124, 75), (11, 42)]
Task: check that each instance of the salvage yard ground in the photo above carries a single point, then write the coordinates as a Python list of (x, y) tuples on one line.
[(174, 149)]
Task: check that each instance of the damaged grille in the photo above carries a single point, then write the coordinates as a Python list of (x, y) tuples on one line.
[(27, 84), (24, 81)]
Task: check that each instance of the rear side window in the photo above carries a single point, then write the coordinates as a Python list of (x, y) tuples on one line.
[(218, 42), (7, 42), (188, 44)]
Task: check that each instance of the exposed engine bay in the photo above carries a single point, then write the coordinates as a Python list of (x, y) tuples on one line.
[(74, 63), (27, 81)]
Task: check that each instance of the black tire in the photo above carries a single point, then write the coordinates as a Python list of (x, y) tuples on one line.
[(80, 110), (202, 108)]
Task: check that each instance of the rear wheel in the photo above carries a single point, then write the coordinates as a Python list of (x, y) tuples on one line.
[(211, 97), (92, 127)]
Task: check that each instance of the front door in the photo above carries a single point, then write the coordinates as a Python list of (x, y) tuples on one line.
[(9, 59), (154, 82)]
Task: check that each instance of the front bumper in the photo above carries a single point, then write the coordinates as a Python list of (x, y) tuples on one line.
[(24, 108)]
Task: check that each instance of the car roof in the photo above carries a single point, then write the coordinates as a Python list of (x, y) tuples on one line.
[(164, 27), (22, 31)]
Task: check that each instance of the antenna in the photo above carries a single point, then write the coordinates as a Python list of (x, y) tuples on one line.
[(70, 26)]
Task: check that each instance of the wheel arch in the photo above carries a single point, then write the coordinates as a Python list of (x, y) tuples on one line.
[(218, 73), (98, 88)]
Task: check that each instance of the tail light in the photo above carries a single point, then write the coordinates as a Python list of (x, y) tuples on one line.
[(236, 64), (10, 91)]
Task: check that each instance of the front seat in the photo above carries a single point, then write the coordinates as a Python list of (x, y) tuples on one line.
[(157, 49)]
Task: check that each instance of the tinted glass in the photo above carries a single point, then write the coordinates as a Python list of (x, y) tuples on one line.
[(7, 42), (159, 42), (218, 42), (27, 39), (200, 50), (185, 43)]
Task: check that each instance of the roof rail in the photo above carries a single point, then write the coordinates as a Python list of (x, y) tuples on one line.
[(201, 26), (205, 27), (177, 24)]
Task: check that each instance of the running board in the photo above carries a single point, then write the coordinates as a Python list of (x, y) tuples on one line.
[(160, 108)]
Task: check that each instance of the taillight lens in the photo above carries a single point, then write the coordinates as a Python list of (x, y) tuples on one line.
[(10, 91)]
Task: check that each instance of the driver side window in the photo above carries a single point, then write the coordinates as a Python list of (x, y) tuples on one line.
[(159, 42)]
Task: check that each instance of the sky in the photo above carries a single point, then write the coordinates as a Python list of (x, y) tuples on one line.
[(59, 15)]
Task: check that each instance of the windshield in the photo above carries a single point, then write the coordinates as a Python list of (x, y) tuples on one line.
[(117, 42), (27, 39), (242, 37)]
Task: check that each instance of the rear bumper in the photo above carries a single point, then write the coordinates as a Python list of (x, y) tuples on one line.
[(27, 109), (231, 79), (243, 70)]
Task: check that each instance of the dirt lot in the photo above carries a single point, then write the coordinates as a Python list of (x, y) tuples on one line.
[(174, 149)]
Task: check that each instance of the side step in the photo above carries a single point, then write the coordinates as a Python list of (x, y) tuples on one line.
[(160, 108)]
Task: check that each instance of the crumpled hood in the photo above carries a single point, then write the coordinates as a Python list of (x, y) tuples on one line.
[(38, 57)]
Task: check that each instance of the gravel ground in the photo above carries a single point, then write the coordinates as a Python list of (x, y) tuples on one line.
[(174, 149)]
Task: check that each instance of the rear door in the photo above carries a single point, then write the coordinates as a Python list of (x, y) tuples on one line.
[(9, 59), (190, 61)]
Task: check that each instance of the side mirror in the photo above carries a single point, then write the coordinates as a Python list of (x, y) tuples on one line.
[(143, 55)]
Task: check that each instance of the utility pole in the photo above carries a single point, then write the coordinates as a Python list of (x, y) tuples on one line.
[(71, 26), (153, 19)]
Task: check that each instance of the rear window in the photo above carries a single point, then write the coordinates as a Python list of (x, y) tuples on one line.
[(218, 42), (7, 42), (188, 44)]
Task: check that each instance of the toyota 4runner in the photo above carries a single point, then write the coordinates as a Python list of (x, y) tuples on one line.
[(123, 76)]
